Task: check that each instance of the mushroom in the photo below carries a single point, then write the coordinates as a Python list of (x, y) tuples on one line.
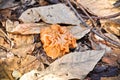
[(57, 40)]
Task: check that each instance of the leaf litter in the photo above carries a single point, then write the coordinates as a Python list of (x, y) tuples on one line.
[(96, 50), (73, 65)]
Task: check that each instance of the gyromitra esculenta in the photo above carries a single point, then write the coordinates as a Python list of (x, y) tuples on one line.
[(57, 40)]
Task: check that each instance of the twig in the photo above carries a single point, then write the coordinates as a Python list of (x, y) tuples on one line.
[(77, 14), (94, 29), (83, 9), (3, 48), (95, 17), (110, 16), (103, 17)]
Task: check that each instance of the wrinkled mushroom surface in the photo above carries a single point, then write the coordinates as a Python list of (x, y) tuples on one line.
[(57, 40)]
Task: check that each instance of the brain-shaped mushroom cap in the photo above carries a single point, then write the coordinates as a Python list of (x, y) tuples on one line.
[(57, 40)]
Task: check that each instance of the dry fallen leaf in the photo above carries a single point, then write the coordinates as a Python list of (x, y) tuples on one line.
[(75, 65), (7, 4), (28, 28), (78, 31), (110, 60), (111, 27), (31, 76), (42, 2), (4, 39), (50, 14), (2, 55), (57, 40), (16, 74), (21, 40), (30, 62), (25, 28), (112, 36), (23, 50), (101, 8), (34, 28), (5, 74), (10, 25), (98, 43), (5, 13), (21, 65), (111, 78), (4, 43)]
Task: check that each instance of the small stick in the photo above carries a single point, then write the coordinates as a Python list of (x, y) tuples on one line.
[(105, 38), (104, 17), (77, 14), (110, 16), (94, 29), (83, 9)]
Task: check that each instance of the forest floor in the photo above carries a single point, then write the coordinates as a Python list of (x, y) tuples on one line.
[(59, 40)]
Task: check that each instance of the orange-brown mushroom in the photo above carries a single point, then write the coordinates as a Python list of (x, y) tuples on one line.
[(57, 40)]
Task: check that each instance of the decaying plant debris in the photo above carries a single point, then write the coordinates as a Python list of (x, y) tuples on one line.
[(59, 39)]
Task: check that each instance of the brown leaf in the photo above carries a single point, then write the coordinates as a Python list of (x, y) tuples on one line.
[(23, 50), (110, 59), (112, 36), (5, 74), (21, 40), (25, 28), (100, 7), (5, 13), (42, 2), (111, 78), (30, 63), (21, 65), (111, 27), (4, 39), (4, 43), (28, 28)]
